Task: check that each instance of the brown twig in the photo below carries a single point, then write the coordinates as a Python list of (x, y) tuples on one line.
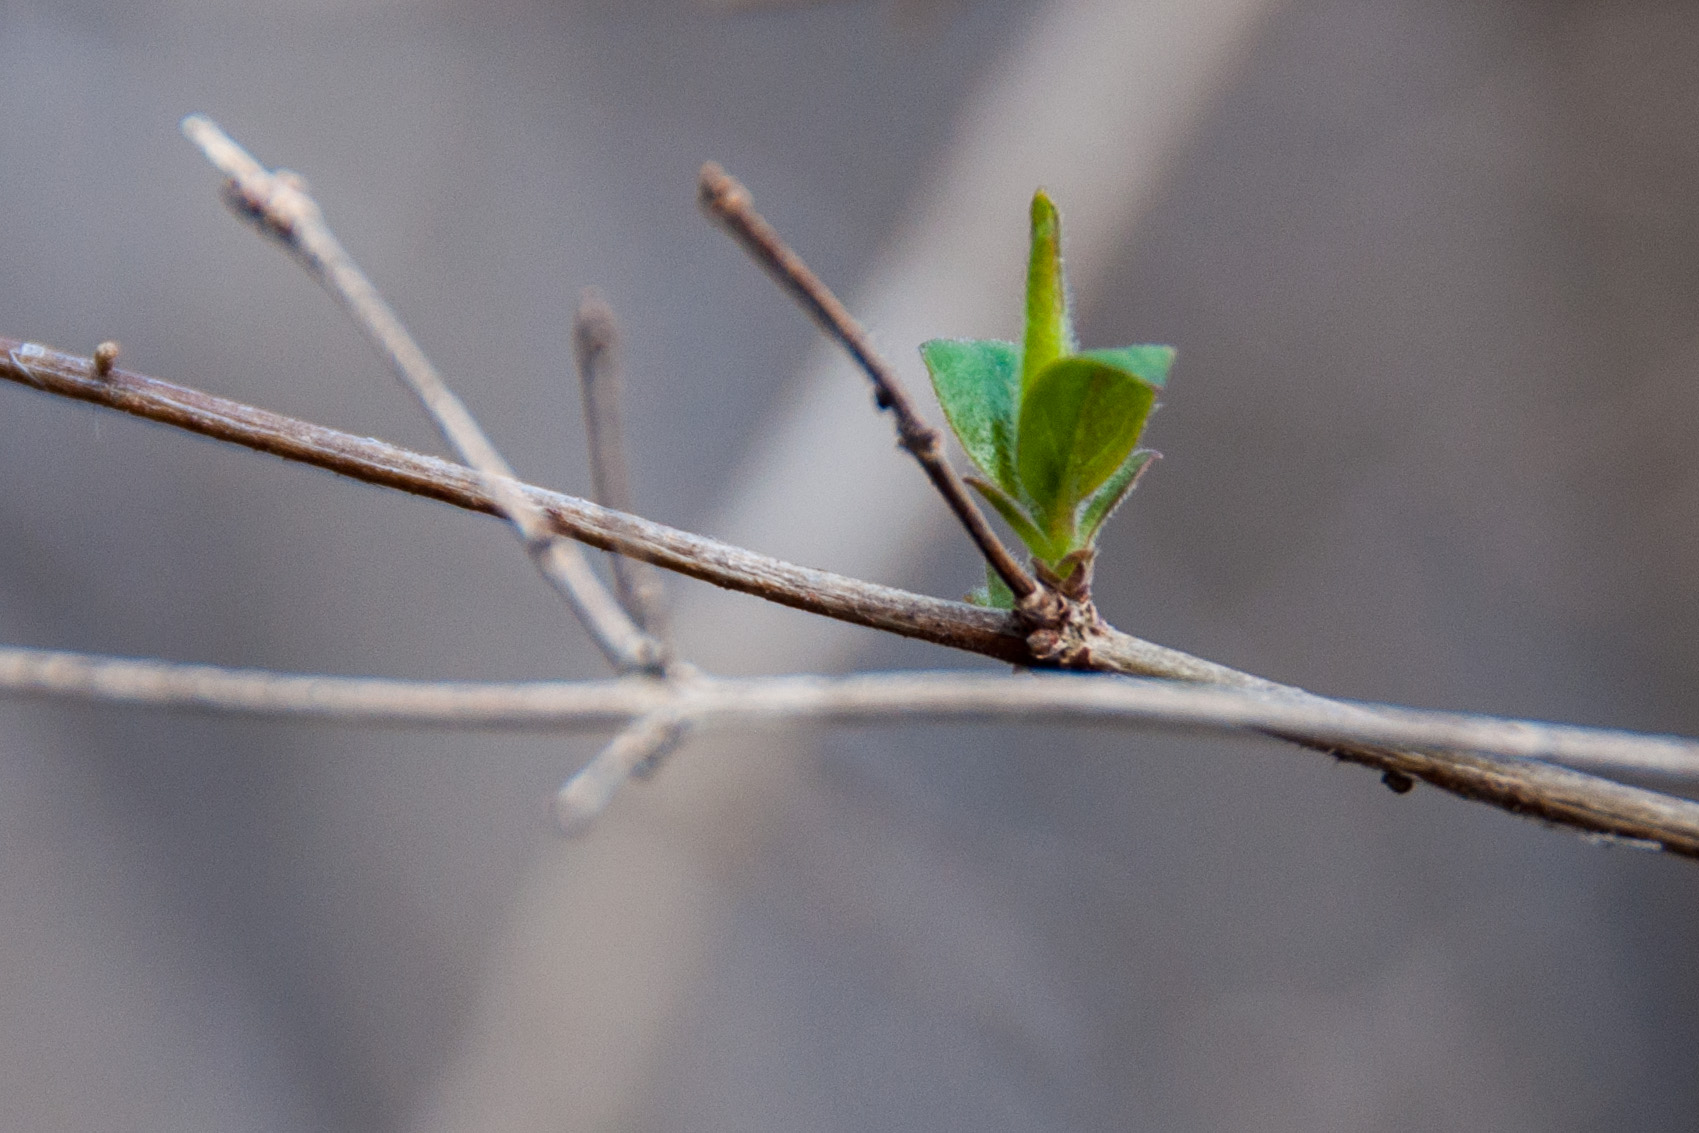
[(1540, 791), (595, 340), (725, 199), (942, 622), (280, 206)]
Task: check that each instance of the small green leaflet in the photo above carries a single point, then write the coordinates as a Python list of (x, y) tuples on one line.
[(1079, 423), (978, 384)]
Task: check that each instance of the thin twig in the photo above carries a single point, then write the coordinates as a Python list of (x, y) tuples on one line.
[(595, 340), (280, 206), (725, 199), (1527, 788), (863, 698), (583, 798)]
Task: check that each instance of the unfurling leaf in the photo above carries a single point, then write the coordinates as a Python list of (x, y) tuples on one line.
[(1049, 331)]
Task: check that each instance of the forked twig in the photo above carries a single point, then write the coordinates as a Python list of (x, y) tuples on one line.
[(280, 206), (725, 199)]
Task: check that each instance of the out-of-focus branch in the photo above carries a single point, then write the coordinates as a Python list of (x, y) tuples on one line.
[(728, 203), (646, 704), (278, 204), (1520, 786), (642, 745), (595, 342)]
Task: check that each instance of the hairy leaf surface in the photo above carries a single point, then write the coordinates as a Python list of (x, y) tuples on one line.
[(977, 382), (1079, 422)]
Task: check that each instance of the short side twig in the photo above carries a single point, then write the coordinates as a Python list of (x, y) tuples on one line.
[(728, 202), (279, 204), (595, 341), (582, 798)]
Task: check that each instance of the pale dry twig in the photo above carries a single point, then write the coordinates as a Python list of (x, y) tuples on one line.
[(864, 698), (595, 341)]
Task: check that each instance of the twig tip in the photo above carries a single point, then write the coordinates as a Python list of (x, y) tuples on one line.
[(718, 191), (595, 331), (196, 125), (577, 805)]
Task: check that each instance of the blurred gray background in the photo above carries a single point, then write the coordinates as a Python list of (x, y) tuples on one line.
[(1432, 268)]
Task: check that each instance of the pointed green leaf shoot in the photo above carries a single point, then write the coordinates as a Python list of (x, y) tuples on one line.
[(1054, 430), (978, 385), (1049, 334), (1079, 422)]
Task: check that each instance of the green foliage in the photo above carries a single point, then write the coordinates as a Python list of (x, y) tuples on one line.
[(1054, 431), (1049, 331), (978, 384)]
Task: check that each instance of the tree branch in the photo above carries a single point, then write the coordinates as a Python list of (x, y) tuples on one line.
[(863, 698), (279, 205), (728, 202), (953, 624), (1522, 787)]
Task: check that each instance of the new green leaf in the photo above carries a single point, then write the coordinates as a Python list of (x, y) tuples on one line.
[(1053, 429), (1106, 499), (978, 384), (1147, 363), (1079, 422)]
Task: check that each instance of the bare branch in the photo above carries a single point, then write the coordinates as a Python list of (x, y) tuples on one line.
[(953, 624), (728, 203), (582, 798), (595, 340), (868, 698), (280, 206), (1532, 789)]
